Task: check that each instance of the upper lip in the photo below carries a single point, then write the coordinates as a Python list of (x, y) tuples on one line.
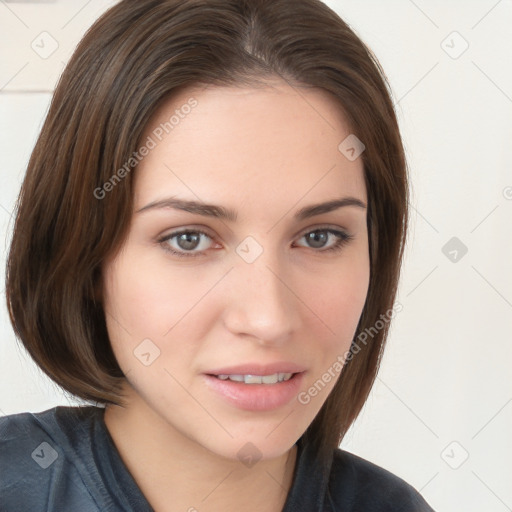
[(258, 369)]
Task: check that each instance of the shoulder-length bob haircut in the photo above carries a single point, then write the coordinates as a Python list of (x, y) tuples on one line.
[(134, 57)]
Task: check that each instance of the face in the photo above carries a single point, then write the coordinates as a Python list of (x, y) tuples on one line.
[(194, 294)]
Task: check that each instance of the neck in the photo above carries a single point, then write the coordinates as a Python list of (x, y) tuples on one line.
[(176, 474)]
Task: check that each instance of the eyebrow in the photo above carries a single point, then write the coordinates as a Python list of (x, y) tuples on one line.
[(220, 212)]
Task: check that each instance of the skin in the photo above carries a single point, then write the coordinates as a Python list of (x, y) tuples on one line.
[(266, 153)]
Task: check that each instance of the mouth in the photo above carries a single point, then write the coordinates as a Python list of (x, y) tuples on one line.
[(283, 370), (262, 390), (271, 379)]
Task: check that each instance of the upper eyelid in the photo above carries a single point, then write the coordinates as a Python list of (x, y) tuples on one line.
[(206, 231), (202, 230)]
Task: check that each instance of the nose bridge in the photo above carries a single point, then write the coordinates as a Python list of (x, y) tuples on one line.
[(261, 303)]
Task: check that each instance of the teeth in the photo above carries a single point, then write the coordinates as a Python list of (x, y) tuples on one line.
[(258, 379)]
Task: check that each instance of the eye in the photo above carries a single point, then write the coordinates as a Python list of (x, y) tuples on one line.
[(320, 236), (188, 240)]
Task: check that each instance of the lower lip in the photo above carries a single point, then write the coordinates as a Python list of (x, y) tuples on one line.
[(256, 397)]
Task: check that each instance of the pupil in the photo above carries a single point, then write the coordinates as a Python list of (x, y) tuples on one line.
[(316, 236), (188, 241), (187, 237)]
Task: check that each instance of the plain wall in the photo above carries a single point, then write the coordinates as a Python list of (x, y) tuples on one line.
[(440, 414)]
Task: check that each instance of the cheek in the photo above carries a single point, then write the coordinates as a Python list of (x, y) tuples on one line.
[(144, 299), (141, 297), (339, 308), (134, 303), (341, 302)]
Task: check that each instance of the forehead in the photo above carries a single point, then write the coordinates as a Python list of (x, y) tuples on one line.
[(248, 144)]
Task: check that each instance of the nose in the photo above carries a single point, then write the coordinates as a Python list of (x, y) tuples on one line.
[(262, 303)]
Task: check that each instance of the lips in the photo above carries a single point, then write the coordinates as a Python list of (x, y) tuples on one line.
[(257, 379), (258, 369), (250, 395)]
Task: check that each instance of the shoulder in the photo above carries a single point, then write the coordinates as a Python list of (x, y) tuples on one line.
[(36, 454), (59, 425), (357, 484)]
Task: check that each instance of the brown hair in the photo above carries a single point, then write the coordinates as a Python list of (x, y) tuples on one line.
[(133, 58)]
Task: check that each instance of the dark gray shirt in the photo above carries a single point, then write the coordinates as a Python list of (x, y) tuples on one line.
[(64, 459)]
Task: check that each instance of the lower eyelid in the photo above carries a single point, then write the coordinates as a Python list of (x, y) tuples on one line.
[(341, 238), (163, 241)]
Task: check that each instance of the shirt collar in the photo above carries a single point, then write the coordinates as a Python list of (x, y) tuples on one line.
[(307, 493), (309, 485)]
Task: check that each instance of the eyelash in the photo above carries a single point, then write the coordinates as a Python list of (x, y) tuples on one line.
[(342, 239)]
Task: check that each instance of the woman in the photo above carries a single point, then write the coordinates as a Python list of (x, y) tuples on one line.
[(214, 213)]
